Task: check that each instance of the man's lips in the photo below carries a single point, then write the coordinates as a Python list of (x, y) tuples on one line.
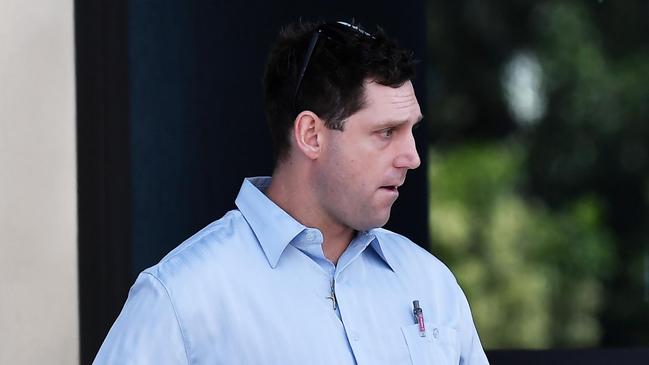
[(392, 187)]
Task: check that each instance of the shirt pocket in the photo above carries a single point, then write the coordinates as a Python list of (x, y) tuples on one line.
[(439, 346)]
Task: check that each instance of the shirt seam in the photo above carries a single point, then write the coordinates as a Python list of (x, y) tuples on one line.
[(197, 238), (173, 307)]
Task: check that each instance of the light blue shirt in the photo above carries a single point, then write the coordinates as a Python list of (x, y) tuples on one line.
[(254, 287)]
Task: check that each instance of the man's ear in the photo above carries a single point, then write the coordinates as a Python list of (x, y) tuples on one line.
[(307, 134)]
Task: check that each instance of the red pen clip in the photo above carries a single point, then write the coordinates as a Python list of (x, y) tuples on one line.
[(419, 317)]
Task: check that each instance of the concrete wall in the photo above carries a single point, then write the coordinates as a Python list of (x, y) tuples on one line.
[(38, 222)]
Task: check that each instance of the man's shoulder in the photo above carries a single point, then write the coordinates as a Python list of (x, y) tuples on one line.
[(212, 248)]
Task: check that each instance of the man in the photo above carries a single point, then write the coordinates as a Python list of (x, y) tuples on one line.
[(301, 273)]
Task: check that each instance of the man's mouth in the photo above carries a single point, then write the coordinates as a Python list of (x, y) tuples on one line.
[(391, 188)]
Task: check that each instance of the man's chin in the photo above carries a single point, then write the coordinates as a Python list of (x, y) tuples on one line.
[(378, 222)]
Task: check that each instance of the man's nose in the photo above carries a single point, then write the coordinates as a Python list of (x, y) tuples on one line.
[(408, 156)]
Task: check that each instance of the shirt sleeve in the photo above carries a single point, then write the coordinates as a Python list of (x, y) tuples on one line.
[(147, 330), (472, 352)]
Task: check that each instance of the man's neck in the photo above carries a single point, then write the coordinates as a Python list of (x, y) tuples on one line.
[(292, 195), (335, 243)]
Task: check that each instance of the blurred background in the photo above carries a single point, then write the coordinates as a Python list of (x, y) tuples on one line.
[(538, 117), (125, 126)]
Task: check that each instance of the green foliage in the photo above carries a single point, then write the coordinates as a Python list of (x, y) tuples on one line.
[(546, 219), (534, 275)]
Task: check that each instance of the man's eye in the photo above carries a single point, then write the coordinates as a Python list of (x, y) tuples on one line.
[(386, 133)]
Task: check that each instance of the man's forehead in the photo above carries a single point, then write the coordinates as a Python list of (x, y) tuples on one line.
[(404, 93), (399, 100)]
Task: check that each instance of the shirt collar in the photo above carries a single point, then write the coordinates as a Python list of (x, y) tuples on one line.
[(361, 241), (274, 228), (377, 244)]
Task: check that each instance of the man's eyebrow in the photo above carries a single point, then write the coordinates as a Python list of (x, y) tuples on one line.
[(394, 123)]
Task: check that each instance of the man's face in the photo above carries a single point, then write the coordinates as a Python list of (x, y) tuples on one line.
[(361, 167)]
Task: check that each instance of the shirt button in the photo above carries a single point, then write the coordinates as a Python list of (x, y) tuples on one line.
[(310, 236), (435, 333), (354, 336)]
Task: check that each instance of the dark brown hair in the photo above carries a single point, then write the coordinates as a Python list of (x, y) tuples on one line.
[(332, 86)]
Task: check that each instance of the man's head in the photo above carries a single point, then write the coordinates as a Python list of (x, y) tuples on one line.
[(322, 67), (341, 109)]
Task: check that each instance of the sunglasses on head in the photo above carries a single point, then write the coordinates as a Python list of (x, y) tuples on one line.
[(339, 32)]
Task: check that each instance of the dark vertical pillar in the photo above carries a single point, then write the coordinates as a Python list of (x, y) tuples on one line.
[(103, 160), (197, 123)]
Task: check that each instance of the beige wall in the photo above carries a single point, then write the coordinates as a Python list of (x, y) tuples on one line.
[(38, 225)]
